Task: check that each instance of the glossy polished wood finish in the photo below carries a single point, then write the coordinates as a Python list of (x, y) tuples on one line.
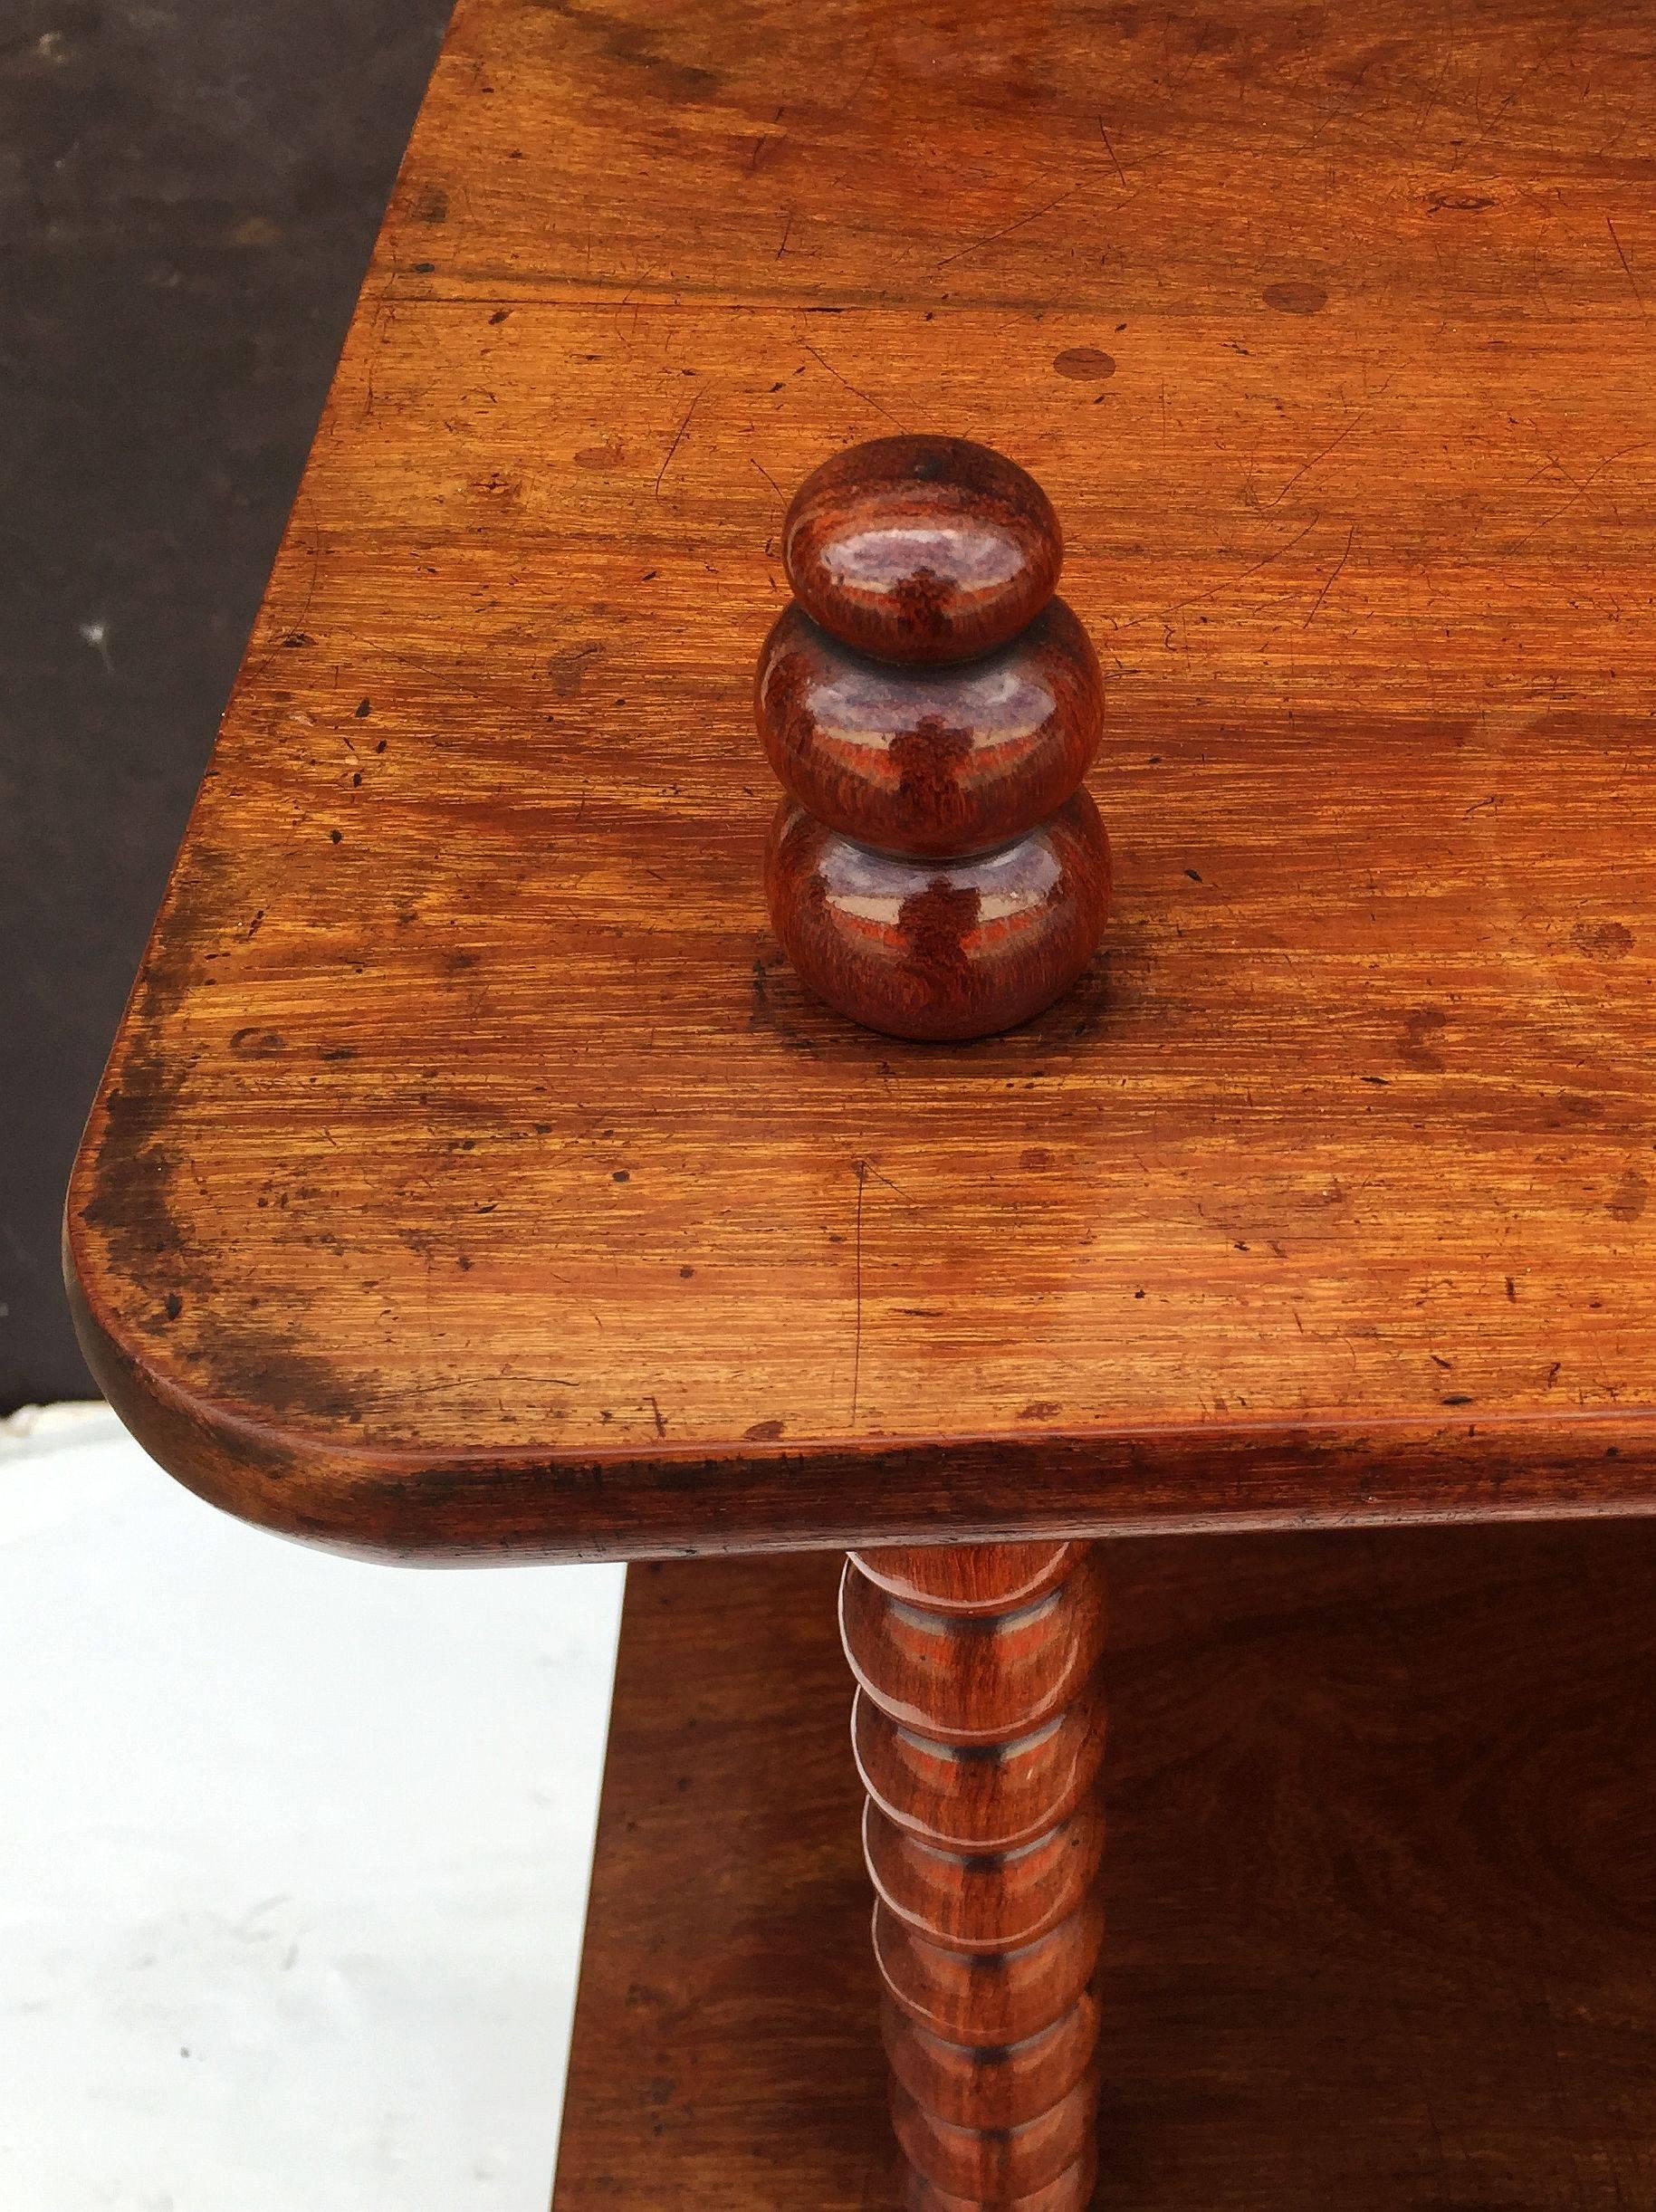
[(1326, 1197), (921, 548), (967, 1578), (940, 949), (1378, 1888), (988, 1952), (937, 761), (982, 1676), (973, 1806), (971, 2086), (1071, 2192), (939, 874), (1033, 1888)]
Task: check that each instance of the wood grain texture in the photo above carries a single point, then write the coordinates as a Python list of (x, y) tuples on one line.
[(990, 1959), (470, 1177), (1379, 1887)]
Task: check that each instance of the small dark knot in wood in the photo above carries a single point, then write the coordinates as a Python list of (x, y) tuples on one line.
[(937, 869)]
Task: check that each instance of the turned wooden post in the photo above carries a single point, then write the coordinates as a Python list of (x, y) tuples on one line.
[(978, 1729), (937, 869)]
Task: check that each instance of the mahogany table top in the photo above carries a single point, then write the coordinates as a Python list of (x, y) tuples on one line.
[(472, 1175)]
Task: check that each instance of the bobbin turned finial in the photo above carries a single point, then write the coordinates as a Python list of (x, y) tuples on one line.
[(937, 869)]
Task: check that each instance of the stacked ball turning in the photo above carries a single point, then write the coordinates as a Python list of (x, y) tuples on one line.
[(937, 869)]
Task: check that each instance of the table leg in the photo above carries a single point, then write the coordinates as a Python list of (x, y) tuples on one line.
[(978, 1728)]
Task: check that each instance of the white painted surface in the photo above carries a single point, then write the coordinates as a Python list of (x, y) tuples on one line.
[(293, 1854)]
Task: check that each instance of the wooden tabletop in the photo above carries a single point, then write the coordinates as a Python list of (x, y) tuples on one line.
[(472, 1175)]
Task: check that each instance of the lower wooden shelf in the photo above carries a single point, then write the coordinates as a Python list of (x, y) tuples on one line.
[(1380, 1887)]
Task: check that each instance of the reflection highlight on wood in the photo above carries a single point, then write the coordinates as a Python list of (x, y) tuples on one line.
[(940, 949), (977, 1727), (937, 870), (922, 550), (931, 761)]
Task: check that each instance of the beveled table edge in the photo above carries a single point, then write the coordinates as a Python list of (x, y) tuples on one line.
[(807, 1493)]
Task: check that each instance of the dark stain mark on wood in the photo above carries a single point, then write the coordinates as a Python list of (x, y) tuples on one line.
[(1085, 364), (1601, 939), (1424, 1023), (1630, 1198), (1296, 299)]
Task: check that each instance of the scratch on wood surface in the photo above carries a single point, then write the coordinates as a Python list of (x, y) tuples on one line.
[(867, 399), (765, 138), (1305, 468), (1334, 578), (1197, 597), (1581, 491), (1472, 145), (768, 478), (1110, 149), (379, 329), (1022, 223), (870, 1169), (1627, 265), (286, 633), (678, 439)]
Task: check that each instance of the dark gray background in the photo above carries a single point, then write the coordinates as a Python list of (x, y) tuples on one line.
[(189, 190)]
